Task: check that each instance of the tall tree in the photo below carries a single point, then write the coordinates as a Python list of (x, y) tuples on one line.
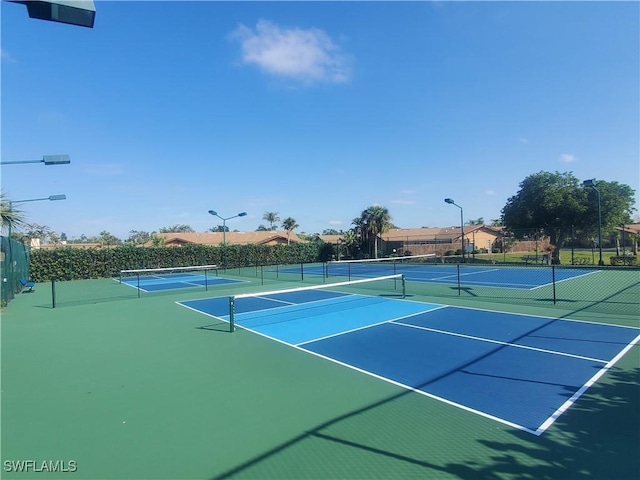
[(138, 237), (177, 229), (289, 224), (41, 232), (376, 221), (107, 238), (616, 205), (350, 240), (479, 221), (11, 216), (552, 204), (271, 217)]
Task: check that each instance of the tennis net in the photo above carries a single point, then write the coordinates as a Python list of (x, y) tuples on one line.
[(155, 279), (379, 266), (282, 305)]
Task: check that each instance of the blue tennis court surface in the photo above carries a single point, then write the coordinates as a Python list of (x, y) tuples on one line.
[(526, 278), (175, 281), (521, 370)]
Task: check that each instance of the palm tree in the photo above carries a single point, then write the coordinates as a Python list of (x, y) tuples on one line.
[(479, 221), (376, 220), (271, 217), (359, 229), (349, 240), (289, 224), (11, 216)]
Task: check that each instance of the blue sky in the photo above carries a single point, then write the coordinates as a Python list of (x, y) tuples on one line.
[(313, 110)]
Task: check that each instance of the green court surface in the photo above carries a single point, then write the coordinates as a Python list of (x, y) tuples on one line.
[(142, 388)]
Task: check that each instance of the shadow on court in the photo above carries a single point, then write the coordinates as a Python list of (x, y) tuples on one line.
[(574, 449)]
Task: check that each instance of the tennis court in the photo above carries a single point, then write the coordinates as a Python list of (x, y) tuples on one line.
[(523, 278), (333, 382), (162, 279), (521, 370)]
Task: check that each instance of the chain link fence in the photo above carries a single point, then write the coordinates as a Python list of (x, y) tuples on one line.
[(15, 266)]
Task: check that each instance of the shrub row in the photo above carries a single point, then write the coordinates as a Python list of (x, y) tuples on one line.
[(73, 264), (623, 260)]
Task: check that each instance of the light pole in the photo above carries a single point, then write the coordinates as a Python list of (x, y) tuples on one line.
[(46, 159), (73, 12), (224, 232), (452, 202), (10, 259), (592, 183)]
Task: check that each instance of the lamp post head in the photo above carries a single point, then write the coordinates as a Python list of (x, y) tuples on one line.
[(56, 159), (589, 183), (242, 214), (57, 197), (213, 212), (449, 200)]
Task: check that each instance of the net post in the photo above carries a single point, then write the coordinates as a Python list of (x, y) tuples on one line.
[(458, 268), (232, 311), (53, 293), (553, 280), (404, 287), (138, 275), (206, 282)]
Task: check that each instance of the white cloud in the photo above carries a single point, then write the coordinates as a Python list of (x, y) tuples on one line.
[(304, 55), (335, 222), (568, 158), (490, 192), (523, 140), (403, 202), (6, 56)]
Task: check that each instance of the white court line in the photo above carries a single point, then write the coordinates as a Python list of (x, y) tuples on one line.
[(565, 406), (566, 279), (499, 342), (370, 325), (539, 431), (393, 382)]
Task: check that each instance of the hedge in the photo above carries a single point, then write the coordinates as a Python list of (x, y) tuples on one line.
[(69, 263)]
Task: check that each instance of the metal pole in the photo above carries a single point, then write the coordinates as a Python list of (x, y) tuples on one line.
[(232, 311), (462, 231), (573, 244), (12, 284), (224, 244), (624, 250), (600, 262)]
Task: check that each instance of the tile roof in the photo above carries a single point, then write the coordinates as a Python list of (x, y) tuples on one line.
[(232, 238)]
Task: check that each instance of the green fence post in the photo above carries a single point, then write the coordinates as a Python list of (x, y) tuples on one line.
[(232, 311)]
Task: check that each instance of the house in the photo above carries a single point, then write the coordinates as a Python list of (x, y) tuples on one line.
[(418, 241), (231, 238)]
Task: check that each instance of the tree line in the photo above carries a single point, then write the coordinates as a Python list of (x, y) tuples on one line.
[(555, 205)]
